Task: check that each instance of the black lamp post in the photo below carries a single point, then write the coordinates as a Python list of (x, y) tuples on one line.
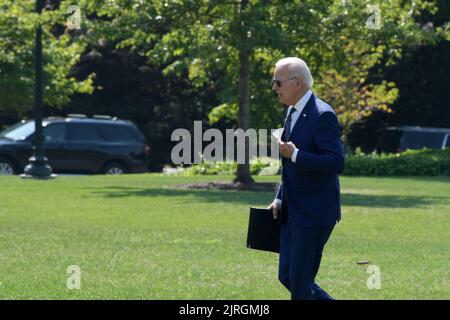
[(38, 167)]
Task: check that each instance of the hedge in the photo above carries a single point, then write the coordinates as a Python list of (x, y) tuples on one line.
[(424, 162)]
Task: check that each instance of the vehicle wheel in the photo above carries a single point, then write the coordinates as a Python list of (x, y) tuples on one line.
[(6, 167), (114, 168)]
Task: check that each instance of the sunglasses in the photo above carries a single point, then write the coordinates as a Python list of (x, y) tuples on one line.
[(279, 82)]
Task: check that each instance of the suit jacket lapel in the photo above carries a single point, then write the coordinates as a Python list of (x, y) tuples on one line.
[(304, 115)]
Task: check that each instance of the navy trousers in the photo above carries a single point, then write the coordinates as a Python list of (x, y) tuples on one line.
[(300, 255)]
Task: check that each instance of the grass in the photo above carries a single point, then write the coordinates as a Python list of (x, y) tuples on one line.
[(137, 237)]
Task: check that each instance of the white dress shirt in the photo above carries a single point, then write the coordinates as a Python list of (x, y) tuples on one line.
[(299, 106)]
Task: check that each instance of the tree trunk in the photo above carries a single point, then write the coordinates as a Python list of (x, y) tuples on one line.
[(243, 170)]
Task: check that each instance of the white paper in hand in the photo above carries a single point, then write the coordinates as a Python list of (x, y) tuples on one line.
[(277, 133)]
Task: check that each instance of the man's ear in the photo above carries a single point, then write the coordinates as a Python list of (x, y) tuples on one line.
[(300, 84)]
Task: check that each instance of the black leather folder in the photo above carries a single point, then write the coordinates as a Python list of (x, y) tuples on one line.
[(263, 230)]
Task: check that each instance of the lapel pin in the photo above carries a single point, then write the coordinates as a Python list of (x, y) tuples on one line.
[(304, 115)]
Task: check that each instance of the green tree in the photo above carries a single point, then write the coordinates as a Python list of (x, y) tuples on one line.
[(60, 53), (234, 44)]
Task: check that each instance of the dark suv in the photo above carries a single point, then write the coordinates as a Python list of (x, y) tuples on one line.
[(77, 144)]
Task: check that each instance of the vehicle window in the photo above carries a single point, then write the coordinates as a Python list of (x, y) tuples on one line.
[(55, 132), (418, 140), (19, 131), (83, 131), (117, 133)]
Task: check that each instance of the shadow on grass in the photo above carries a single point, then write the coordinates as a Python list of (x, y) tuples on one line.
[(190, 195), (261, 199), (386, 201), (432, 179)]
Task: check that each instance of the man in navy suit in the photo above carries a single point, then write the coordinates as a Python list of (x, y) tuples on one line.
[(308, 198)]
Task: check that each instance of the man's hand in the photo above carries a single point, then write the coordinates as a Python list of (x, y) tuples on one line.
[(276, 207), (286, 149)]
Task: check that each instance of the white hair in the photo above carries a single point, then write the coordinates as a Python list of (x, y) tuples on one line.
[(297, 68)]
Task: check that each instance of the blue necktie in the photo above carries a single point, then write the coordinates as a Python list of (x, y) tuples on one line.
[(287, 125)]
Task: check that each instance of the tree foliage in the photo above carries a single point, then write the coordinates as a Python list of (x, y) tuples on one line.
[(202, 37), (60, 53), (201, 41)]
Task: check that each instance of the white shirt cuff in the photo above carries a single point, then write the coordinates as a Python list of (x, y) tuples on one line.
[(278, 201), (294, 155)]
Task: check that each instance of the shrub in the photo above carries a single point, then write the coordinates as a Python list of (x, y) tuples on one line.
[(424, 162), (258, 166)]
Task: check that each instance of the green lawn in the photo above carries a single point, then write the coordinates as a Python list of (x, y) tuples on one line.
[(137, 237)]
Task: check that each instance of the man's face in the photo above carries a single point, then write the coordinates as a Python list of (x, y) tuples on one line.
[(289, 88)]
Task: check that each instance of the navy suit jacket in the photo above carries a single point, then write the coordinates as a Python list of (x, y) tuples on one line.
[(311, 184)]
